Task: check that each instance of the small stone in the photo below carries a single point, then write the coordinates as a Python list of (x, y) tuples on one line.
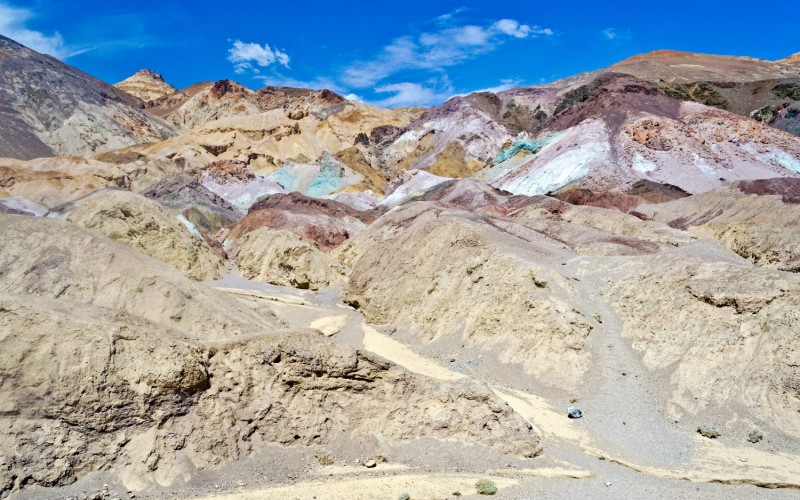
[(404, 496), (216, 486), (708, 431), (574, 412), (608, 484), (370, 464), (755, 436)]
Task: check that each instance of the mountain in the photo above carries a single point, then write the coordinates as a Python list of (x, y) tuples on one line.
[(146, 85), (304, 139), (688, 67), (223, 292), (766, 90), (792, 59), (49, 108), (605, 135)]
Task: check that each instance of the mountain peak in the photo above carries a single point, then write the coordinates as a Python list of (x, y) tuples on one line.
[(146, 84), (149, 73), (792, 59), (684, 67)]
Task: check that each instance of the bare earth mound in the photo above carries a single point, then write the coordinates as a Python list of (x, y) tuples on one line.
[(144, 225), (282, 258)]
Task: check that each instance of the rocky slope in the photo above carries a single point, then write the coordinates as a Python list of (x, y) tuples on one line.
[(792, 59), (144, 382), (282, 258), (185, 196), (765, 90), (324, 223), (470, 285), (603, 136), (146, 85), (144, 225), (755, 219), (546, 287), (49, 109), (54, 181)]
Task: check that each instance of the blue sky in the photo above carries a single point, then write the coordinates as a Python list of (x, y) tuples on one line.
[(386, 53)]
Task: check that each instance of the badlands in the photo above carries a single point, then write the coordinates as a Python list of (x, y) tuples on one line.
[(218, 292)]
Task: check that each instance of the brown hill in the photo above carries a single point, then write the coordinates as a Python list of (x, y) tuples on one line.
[(688, 67)]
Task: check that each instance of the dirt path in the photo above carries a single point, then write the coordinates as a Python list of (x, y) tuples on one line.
[(620, 408), (349, 488)]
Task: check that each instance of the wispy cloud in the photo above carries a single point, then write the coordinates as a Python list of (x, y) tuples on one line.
[(450, 16), (405, 94), (12, 25), (615, 35), (250, 56), (505, 84), (448, 46), (410, 70)]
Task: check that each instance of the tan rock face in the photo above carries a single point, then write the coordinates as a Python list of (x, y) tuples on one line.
[(112, 360), (146, 226), (53, 181), (85, 394), (282, 258), (723, 332), (49, 258), (147, 85), (452, 277), (79, 382), (792, 59), (755, 219)]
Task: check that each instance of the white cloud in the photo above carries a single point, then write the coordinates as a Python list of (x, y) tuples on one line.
[(615, 35), (354, 97), (12, 25), (415, 94), (406, 94), (512, 28), (450, 16), (246, 56), (448, 46), (505, 84)]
